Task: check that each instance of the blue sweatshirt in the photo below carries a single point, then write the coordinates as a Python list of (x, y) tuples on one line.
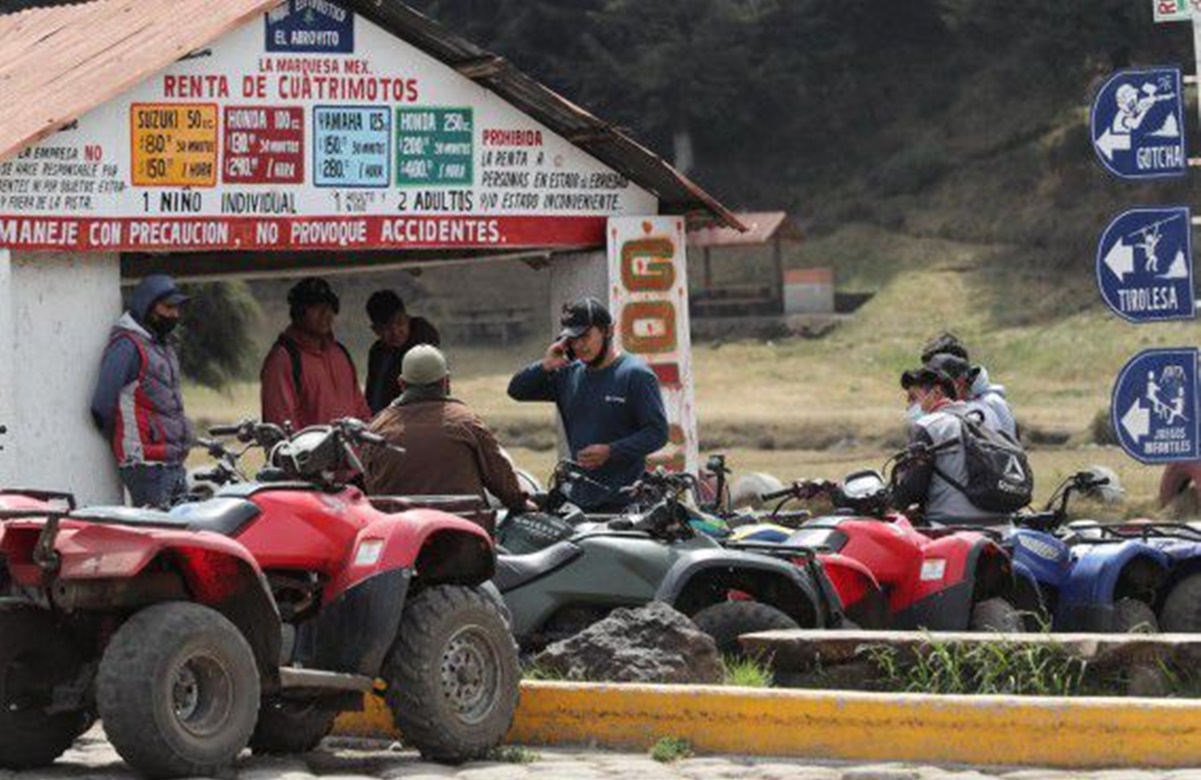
[(619, 405)]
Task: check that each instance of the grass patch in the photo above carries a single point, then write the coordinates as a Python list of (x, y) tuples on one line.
[(671, 749), (747, 673), (999, 668), (513, 754)]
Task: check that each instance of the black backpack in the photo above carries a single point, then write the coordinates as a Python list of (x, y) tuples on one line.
[(999, 478)]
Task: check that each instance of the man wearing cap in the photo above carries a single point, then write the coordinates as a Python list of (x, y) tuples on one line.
[(960, 372), (396, 333), (138, 403), (308, 377), (978, 387), (448, 448), (609, 402), (935, 417)]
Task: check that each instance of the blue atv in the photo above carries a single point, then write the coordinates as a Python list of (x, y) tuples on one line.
[(1179, 597), (1100, 584)]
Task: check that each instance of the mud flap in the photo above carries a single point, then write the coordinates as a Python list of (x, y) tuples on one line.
[(354, 632)]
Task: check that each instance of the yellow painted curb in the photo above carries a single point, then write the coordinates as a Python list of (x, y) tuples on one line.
[(1026, 730)]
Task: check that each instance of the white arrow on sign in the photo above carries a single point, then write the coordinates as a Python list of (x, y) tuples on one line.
[(1137, 421), (1120, 260), (1109, 143)]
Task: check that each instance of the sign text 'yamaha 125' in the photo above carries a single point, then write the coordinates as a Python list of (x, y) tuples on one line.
[(1138, 124), (1155, 406), (1145, 265)]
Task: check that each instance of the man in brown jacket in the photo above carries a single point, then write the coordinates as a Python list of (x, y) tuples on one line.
[(448, 448)]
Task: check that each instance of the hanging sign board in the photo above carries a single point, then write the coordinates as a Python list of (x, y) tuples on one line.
[(309, 128), (648, 295)]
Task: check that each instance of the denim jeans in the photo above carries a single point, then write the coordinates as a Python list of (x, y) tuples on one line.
[(154, 485)]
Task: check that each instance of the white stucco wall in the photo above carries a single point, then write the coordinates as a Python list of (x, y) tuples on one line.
[(55, 313)]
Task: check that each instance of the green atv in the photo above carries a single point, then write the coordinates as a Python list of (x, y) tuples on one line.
[(576, 568)]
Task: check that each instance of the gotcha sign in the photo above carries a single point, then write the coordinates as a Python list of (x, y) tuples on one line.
[(309, 128), (1155, 406), (1138, 124)]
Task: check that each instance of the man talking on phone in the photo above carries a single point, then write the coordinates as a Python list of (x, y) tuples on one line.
[(609, 402)]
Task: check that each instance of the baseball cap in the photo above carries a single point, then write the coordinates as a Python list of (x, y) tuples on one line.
[(925, 376), (423, 365), (581, 315), (952, 365)]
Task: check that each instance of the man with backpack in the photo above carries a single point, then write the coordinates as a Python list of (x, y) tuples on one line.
[(979, 387), (308, 377), (957, 469)]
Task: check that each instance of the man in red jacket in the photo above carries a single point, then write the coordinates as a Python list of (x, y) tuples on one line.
[(308, 377)]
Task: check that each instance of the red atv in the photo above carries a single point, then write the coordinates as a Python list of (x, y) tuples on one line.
[(251, 618), (889, 575)]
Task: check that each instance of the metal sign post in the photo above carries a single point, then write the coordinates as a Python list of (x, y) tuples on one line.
[(1145, 265)]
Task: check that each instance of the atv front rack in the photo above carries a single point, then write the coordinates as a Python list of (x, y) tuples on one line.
[(42, 495), (1177, 531)]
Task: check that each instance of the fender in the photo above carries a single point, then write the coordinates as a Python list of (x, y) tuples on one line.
[(105, 566), (1086, 601), (103, 551), (695, 582), (861, 595), (973, 568), (435, 546), (1041, 555)]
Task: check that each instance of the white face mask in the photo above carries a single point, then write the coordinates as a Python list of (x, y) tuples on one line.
[(914, 412)]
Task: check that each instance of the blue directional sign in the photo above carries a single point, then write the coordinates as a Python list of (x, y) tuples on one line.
[(1138, 124), (1155, 406), (1145, 265)]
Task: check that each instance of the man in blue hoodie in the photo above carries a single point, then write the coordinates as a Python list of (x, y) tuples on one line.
[(609, 402), (138, 402)]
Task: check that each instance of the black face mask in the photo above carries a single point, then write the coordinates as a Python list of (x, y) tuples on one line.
[(161, 326)]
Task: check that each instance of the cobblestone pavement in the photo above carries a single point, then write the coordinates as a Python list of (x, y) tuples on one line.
[(93, 758)]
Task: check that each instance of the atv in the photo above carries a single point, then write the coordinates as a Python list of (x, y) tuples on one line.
[(253, 618), (889, 574), (578, 568), (1106, 585), (1178, 596)]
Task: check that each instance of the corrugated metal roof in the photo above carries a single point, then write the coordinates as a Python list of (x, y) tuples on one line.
[(57, 63), (761, 227)]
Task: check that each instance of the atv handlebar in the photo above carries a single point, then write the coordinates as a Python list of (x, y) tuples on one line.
[(802, 490)]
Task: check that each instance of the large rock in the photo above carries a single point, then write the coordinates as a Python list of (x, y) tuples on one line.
[(653, 644)]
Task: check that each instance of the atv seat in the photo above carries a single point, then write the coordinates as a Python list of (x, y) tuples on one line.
[(513, 571), (226, 516)]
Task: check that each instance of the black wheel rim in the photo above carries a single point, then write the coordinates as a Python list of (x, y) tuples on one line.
[(201, 693), (470, 673)]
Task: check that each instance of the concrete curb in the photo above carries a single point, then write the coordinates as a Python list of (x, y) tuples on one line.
[(984, 730)]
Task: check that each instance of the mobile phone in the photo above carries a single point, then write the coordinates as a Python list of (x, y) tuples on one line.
[(568, 352)]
